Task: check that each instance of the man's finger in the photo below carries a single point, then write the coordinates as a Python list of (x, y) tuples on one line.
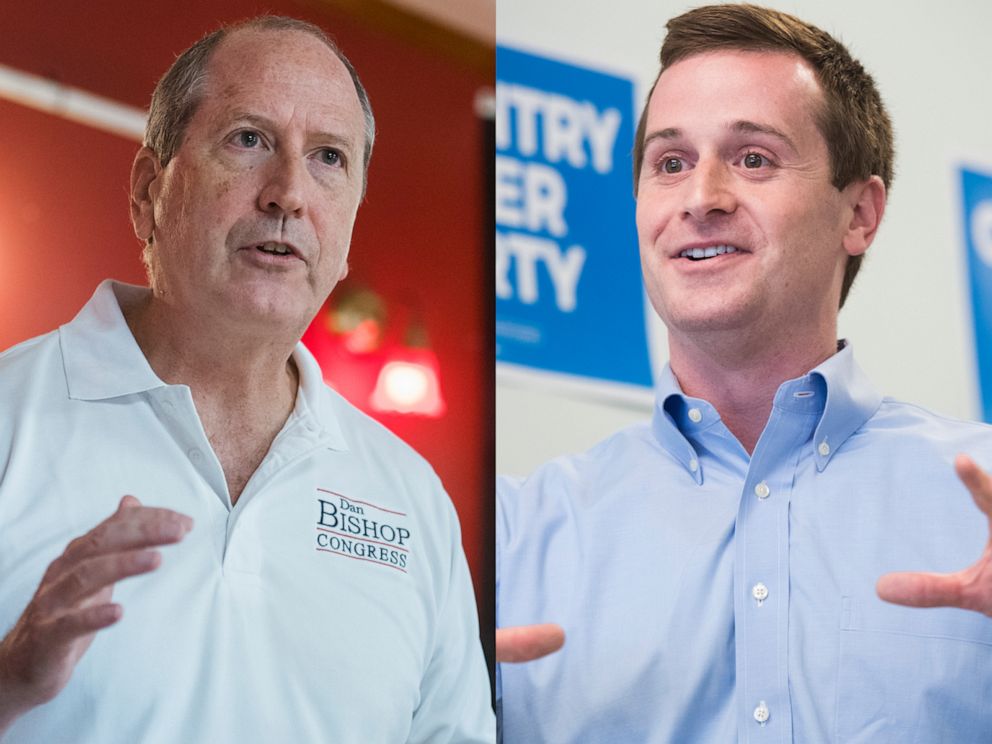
[(921, 589), (92, 575), (130, 528), (84, 621), (977, 481), (128, 502), (528, 642)]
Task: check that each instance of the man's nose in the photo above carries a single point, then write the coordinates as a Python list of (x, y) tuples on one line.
[(710, 190), (285, 186)]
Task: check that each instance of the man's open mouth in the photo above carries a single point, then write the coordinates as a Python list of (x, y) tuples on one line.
[(701, 254), (275, 249)]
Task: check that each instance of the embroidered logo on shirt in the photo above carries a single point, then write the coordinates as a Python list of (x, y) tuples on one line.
[(362, 530)]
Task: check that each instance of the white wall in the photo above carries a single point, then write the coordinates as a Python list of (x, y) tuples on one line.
[(909, 313)]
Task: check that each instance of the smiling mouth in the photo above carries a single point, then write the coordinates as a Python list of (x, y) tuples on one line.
[(701, 254)]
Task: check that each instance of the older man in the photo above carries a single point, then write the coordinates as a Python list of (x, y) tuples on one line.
[(716, 570), (318, 590)]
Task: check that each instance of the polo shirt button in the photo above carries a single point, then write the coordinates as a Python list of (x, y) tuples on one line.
[(761, 713), (695, 416), (760, 592), (762, 491)]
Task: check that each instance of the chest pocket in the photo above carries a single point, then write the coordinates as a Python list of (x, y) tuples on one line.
[(913, 676)]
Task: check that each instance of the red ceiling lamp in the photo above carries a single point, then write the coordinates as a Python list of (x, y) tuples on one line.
[(409, 381), (370, 361)]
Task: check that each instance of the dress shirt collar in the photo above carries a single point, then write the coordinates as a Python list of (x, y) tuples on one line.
[(102, 361), (851, 401), (837, 391)]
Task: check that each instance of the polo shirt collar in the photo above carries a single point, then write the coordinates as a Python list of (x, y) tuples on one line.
[(851, 400), (102, 360), (315, 402)]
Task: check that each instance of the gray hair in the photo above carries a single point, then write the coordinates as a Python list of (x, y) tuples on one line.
[(179, 92)]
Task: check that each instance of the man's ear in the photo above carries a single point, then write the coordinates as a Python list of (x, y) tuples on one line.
[(144, 176), (867, 199)]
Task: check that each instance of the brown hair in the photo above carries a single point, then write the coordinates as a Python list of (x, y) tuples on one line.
[(179, 92), (852, 120)]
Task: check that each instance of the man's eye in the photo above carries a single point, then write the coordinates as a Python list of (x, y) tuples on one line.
[(754, 160), (248, 139), (672, 165), (330, 157)]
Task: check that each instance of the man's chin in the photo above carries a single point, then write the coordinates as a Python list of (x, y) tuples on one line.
[(270, 308), (689, 321)]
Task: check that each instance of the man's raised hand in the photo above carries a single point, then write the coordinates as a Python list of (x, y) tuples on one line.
[(73, 602), (970, 588)]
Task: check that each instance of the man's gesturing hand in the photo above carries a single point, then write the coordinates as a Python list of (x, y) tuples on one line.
[(73, 602), (971, 588), (528, 642)]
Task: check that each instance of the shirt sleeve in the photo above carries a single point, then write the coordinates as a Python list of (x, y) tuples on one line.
[(455, 703)]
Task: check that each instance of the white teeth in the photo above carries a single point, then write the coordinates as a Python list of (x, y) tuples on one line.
[(710, 252), (277, 248)]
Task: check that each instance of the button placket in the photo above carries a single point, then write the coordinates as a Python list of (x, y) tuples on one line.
[(178, 415), (762, 574)]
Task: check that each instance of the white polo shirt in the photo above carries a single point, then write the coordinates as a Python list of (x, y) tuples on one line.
[(332, 603)]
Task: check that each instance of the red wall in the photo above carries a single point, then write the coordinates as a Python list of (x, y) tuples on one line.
[(63, 196)]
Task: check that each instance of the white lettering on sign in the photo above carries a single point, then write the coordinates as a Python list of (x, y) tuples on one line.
[(537, 125), (530, 196), (570, 130), (518, 257)]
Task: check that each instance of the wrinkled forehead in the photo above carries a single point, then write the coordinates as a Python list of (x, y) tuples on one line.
[(258, 62)]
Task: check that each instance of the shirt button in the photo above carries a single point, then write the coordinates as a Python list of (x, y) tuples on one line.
[(195, 455), (760, 592), (693, 465), (823, 449), (762, 491), (761, 713), (695, 416)]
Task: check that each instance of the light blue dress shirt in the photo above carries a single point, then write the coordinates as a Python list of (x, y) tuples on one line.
[(709, 596)]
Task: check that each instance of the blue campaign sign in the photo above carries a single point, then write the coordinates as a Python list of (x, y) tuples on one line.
[(569, 297), (976, 190)]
